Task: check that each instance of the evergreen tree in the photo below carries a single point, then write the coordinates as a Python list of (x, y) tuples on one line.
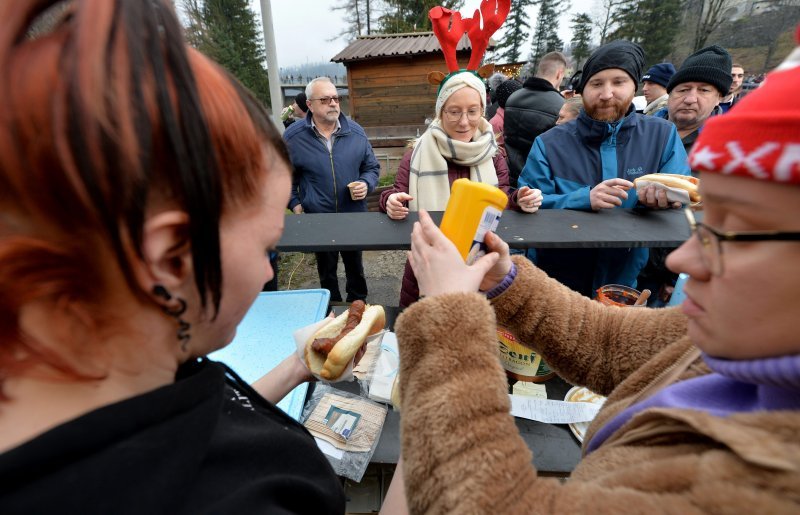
[(412, 15), (227, 31), (545, 37), (509, 49), (581, 38), (653, 24)]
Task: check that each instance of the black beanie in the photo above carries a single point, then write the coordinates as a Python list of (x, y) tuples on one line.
[(711, 65), (621, 54), (505, 89), (300, 100)]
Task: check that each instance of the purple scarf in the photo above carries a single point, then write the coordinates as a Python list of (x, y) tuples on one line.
[(740, 386)]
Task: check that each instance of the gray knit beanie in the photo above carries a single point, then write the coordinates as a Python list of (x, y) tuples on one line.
[(711, 65)]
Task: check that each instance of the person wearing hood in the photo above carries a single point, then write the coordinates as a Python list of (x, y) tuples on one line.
[(590, 163)]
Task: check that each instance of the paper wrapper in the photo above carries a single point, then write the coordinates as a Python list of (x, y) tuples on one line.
[(302, 335), (673, 194)]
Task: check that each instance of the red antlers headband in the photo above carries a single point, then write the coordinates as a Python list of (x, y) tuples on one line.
[(448, 26)]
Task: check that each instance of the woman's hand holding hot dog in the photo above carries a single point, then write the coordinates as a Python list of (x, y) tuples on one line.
[(609, 194), (529, 199), (395, 205), (439, 267)]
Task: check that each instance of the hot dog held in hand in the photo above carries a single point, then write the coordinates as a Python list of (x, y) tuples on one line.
[(331, 348), (684, 189)]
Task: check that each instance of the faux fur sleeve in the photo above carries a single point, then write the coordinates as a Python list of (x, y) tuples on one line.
[(585, 342), (455, 414)]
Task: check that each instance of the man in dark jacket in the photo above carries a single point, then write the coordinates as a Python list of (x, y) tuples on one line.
[(696, 90), (335, 168), (533, 110)]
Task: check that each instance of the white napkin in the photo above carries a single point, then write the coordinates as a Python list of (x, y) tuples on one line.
[(380, 388), (673, 194), (302, 335)]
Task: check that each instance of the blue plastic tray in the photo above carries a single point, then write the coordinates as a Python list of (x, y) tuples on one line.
[(264, 338)]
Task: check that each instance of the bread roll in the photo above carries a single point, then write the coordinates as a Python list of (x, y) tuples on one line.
[(332, 366)]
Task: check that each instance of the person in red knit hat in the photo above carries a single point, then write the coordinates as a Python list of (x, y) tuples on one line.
[(703, 401)]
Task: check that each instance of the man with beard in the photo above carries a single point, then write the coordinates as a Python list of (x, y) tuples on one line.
[(335, 168), (590, 163)]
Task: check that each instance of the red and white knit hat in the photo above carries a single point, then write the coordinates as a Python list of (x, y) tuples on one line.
[(760, 137)]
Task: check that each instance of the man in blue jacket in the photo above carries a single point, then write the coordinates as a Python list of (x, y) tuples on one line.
[(590, 163), (335, 168)]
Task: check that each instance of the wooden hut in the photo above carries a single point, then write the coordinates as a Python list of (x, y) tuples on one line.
[(387, 77)]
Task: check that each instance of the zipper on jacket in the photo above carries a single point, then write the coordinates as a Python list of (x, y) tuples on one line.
[(333, 172)]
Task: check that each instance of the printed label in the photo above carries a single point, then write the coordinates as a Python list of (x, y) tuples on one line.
[(341, 422), (490, 219)]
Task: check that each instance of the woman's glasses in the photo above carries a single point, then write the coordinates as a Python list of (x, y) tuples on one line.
[(711, 240), (455, 116)]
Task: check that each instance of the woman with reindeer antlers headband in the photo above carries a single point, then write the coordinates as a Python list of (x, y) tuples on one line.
[(459, 140)]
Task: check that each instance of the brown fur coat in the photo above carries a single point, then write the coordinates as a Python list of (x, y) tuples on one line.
[(463, 454)]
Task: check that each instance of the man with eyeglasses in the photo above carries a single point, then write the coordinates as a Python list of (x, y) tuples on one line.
[(589, 163), (335, 168)]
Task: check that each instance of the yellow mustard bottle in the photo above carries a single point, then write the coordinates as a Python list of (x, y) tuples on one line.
[(474, 208)]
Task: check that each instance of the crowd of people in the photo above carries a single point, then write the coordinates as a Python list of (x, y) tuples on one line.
[(143, 190)]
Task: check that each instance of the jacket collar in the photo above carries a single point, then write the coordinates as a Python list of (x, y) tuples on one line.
[(344, 124), (538, 84), (592, 130)]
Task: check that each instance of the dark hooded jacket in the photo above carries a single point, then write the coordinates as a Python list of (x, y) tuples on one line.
[(528, 113)]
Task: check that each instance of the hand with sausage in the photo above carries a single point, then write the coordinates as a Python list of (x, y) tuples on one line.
[(529, 199), (395, 205), (439, 267), (609, 194)]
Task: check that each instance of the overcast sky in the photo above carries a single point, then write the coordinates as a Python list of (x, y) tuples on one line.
[(303, 28)]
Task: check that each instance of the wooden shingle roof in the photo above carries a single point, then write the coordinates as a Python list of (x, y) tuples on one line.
[(388, 45)]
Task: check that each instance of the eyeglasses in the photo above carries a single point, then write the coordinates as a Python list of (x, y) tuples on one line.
[(327, 100), (455, 116), (711, 240)]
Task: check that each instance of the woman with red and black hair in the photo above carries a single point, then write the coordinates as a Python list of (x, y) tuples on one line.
[(141, 189)]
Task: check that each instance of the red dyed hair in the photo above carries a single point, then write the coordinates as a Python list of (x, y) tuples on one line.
[(105, 110)]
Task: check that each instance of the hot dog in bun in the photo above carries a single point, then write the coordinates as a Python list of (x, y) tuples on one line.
[(682, 182), (332, 347)]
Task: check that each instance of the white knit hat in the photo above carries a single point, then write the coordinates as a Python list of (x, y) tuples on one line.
[(456, 82)]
